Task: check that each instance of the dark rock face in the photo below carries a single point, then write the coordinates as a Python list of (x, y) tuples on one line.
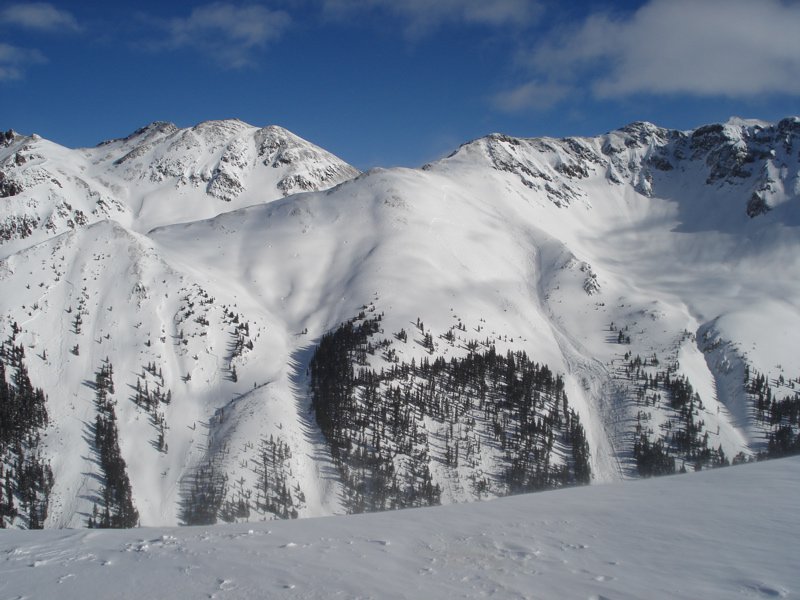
[(6, 137), (8, 187)]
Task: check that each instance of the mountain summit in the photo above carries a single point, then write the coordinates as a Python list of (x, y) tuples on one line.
[(158, 175)]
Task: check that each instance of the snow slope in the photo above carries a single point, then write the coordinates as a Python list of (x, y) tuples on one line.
[(616, 261), (703, 535)]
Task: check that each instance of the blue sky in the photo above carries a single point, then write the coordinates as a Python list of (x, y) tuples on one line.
[(395, 82)]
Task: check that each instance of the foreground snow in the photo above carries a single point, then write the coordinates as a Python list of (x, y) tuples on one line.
[(730, 533)]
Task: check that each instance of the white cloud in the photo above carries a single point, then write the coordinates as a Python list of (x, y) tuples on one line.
[(228, 33), (533, 94), (704, 48), (423, 16), (14, 60), (39, 15)]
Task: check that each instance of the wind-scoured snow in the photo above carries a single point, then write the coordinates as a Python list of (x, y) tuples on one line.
[(725, 534)]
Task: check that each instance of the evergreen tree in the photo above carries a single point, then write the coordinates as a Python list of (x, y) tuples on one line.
[(375, 420), (26, 482), (118, 510)]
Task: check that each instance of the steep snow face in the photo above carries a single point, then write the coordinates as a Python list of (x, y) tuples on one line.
[(46, 191), (626, 264), (105, 293), (156, 176)]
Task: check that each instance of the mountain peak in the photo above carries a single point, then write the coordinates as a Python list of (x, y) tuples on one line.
[(735, 122), (789, 124), (641, 126), (221, 128), (7, 137), (149, 131), (157, 175), (278, 132)]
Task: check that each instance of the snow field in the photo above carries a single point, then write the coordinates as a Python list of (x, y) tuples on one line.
[(701, 535)]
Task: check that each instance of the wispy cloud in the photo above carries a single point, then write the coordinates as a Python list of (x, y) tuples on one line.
[(423, 16), (228, 34), (14, 60), (39, 16), (538, 95), (708, 48), (30, 16)]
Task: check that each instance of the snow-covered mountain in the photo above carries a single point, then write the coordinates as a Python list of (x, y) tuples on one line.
[(524, 314), (158, 175)]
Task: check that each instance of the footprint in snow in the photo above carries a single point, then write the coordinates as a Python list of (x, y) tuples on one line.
[(565, 547), (516, 551), (763, 590)]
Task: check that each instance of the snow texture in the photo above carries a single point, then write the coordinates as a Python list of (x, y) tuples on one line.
[(729, 533)]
